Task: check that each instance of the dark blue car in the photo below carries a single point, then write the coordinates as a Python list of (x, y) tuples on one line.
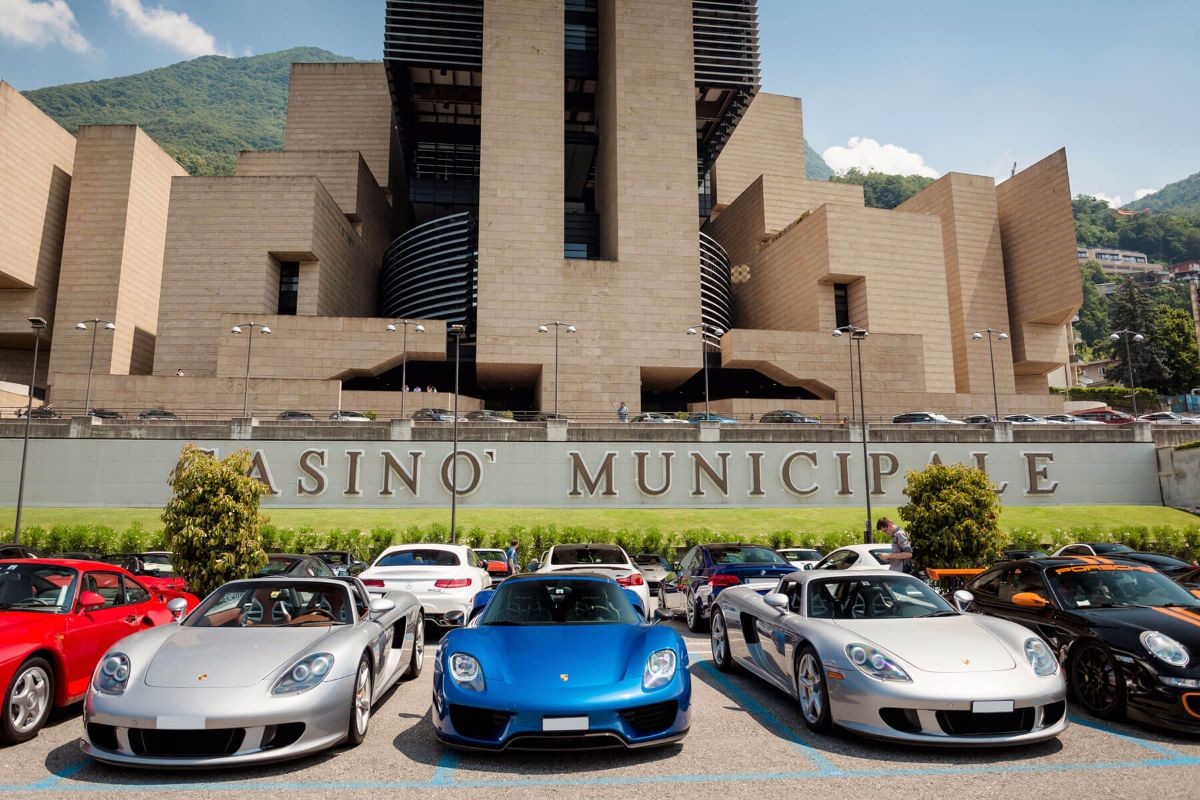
[(706, 569)]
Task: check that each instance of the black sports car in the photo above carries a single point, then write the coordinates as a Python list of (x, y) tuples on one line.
[(1127, 635)]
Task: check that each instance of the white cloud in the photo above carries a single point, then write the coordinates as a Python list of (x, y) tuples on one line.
[(40, 23), (1113, 200), (1140, 193), (171, 28), (868, 154)]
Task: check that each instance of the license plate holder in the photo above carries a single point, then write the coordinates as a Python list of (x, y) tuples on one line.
[(993, 707), (564, 723), (179, 723)]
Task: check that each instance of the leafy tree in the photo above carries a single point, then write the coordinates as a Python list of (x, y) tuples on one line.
[(951, 516), (881, 190), (1135, 311), (1093, 324), (211, 523), (1176, 331), (1181, 196)]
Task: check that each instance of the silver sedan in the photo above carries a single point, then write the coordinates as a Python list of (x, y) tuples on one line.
[(880, 654), (262, 670)]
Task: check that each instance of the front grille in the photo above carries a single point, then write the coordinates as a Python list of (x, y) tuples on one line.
[(902, 719), (1053, 712), (479, 723), (566, 741), (967, 723), (104, 736), (183, 744), (275, 736), (648, 720)]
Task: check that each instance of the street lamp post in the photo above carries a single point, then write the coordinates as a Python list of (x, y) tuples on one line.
[(1137, 337), (417, 328), (858, 335), (545, 329), (457, 331), (95, 325), (703, 329), (237, 329), (37, 323), (1000, 336)]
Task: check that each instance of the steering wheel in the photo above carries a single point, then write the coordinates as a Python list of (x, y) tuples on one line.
[(312, 614), (37, 601)]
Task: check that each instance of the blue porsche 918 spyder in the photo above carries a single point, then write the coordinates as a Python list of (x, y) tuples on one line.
[(560, 662)]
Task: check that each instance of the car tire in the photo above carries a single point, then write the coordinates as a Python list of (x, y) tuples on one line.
[(719, 639), (418, 652), (360, 703), (812, 692), (1097, 681), (28, 699), (695, 621)]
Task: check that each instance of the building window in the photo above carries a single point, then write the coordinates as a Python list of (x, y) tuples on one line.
[(289, 286), (1082, 254), (841, 304)]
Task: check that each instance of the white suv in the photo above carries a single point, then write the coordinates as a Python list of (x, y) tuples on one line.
[(603, 559)]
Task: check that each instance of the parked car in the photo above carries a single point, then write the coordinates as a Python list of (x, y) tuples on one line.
[(923, 418), (1107, 416), (349, 416), (1125, 631), (785, 417), (801, 557), (495, 561), (855, 557), (654, 569), (79, 555), (444, 577), (1190, 580), (154, 569), (434, 415), (1024, 419), (157, 413), (58, 617), (105, 413), (287, 666), (978, 419), (707, 569), (547, 416), (487, 415), (560, 661), (1170, 566), (661, 417), (696, 417), (908, 666), (295, 565), (1072, 419), (342, 562), (1017, 555), (19, 551), (1168, 418), (39, 412), (1091, 549), (295, 416), (600, 559)]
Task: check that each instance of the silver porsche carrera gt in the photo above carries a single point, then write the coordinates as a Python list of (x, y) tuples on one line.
[(881, 654), (262, 670)]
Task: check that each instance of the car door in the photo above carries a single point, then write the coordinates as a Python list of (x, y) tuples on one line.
[(777, 642), (995, 589), (481, 579), (675, 590), (838, 559), (89, 633)]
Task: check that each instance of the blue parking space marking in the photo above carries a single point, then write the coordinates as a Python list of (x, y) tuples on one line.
[(1161, 749)]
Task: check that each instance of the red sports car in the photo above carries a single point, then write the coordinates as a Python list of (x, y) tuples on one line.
[(57, 618)]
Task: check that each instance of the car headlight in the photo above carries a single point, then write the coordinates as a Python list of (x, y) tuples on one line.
[(466, 672), (1040, 658), (660, 669), (1165, 649), (112, 674), (875, 663), (305, 674)]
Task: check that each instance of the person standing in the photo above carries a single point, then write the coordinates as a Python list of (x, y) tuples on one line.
[(623, 412), (511, 555), (900, 559)]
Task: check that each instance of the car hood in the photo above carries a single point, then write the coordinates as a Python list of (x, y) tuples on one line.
[(1123, 626), (942, 644), (539, 655), (227, 657)]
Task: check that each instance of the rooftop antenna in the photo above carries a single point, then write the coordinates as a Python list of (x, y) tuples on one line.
[(1014, 170)]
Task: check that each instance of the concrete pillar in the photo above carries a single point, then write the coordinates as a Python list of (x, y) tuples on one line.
[(1002, 431), (401, 430), (710, 431), (81, 427), (242, 427), (556, 430)]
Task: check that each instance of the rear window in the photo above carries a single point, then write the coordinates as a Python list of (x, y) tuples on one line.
[(745, 555), (801, 555), (601, 554), (419, 558), (277, 566)]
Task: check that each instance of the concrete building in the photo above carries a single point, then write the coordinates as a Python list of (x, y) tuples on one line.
[(606, 163)]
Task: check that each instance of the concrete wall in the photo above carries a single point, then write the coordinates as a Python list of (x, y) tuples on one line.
[(1179, 472), (769, 139)]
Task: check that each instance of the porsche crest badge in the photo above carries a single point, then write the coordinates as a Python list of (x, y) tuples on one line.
[(966, 662), (564, 677), (202, 676)]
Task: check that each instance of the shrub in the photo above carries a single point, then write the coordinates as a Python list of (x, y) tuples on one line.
[(951, 516), (212, 523), (371, 415)]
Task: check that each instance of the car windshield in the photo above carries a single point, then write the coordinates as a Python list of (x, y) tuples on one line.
[(333, 558), (418, 558), (588, 554), (650, 561), (1105, 549), (800, 555), (36, 587), (888, 597), (249, 604), (737, 554), (559, 602), (1113, 585)]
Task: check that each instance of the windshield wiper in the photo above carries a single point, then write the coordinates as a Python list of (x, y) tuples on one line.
[(947, 613)]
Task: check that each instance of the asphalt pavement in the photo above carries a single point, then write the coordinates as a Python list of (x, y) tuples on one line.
[(747, 741)]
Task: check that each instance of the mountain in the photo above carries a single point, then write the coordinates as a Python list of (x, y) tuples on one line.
[(1182, 197), (815, 167), (202, 111)]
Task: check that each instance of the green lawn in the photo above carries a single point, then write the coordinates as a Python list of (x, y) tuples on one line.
[(818, 521)]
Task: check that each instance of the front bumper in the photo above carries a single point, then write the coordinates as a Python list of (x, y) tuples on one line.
[(1149, 700), (214, 727)]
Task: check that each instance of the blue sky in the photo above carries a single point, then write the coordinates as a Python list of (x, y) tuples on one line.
[(921, 86)]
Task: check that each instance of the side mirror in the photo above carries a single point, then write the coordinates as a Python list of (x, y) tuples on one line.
[(963, 600), (381, 605), (532, 566), (777, 601), (1029, 600), (178, 607), (90, 600), (808, 566)]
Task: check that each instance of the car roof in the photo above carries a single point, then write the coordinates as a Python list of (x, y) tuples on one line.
[(807, 575), (399, 548), (73, 563), (558, 576)]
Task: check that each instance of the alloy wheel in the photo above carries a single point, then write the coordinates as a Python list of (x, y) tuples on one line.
[(362, 698), (808, 680), (720, 642), (1095, 680), (29, 700)]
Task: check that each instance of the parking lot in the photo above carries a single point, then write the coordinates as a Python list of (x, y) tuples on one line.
[(746, 740)]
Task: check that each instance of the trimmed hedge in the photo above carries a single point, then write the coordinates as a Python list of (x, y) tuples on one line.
[(1114, 396), (1181, 541)]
